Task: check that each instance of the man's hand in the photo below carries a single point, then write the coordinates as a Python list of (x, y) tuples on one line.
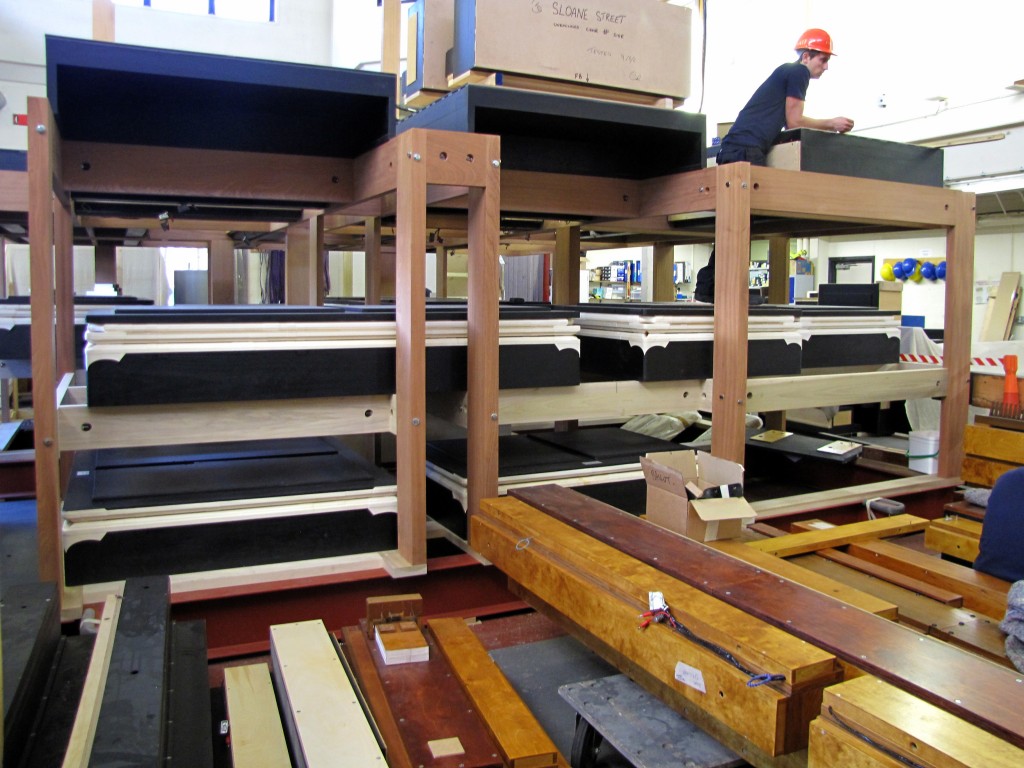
[(840, 124)]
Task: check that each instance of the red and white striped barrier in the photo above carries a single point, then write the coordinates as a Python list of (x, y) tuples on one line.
[(993, 362)]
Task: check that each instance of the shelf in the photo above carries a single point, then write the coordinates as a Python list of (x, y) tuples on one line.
[(615, 400), (82, 428)]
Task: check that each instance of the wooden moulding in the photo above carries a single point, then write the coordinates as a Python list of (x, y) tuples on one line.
[(604, 591), (521, 739), (257, 737), (900, 728), (948, 677), (981, 592), (894, 577), (955, 537), (811, 541)]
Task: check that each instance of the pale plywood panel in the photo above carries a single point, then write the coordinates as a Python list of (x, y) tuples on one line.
[(257, 736), (326, 722)]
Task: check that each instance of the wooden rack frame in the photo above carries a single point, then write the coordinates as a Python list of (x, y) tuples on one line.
[(457, 170)]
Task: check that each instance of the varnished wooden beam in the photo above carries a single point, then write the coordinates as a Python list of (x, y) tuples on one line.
[(732, 275), (980, 692), (43, 167), (138, 170)]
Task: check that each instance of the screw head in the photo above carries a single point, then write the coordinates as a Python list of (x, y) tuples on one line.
[(40, 128)]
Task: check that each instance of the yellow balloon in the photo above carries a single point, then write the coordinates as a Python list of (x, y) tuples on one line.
[(916, 277), (887, 273)]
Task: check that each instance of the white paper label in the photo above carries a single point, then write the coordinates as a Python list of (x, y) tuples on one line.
[(656, 601), (690, 676)]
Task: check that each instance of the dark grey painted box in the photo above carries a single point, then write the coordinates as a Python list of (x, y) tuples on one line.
[(568, 134), (804, 149)]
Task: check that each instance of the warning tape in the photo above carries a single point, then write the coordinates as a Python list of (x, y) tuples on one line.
[(993, 362)]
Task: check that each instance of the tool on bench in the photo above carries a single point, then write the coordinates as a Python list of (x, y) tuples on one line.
[(1009, 408)]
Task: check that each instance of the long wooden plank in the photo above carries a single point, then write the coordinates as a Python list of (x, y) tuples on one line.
[(131, 729), (605, 590), (257, 736), (914, 729), (962, 627), (326, 724), (979, 692), (981, 592), (360, 659), (521, 739), (84, 730), (810, 541), (881, 572), (955, 537), (818, 583), (419, 706)]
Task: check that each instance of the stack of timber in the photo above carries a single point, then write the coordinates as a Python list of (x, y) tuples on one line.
[(948, 600), (545, 538), (456, 708), (600, 592)]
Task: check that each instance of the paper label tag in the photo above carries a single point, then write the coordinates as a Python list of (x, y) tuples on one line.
[(690, 676), (656, 601)]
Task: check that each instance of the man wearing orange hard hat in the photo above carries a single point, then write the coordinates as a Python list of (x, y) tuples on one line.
[(779, 104)]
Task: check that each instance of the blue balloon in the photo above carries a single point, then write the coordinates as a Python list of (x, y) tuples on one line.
[(909, 265), (897, 270), (940, 270), (928, 270)]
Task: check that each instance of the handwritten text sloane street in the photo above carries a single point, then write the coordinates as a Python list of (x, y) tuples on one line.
[(582, 13)]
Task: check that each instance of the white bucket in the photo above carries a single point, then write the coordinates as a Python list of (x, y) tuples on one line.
[(923, 451)]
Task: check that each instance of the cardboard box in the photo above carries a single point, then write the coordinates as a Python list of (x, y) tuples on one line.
[(636, 45), (667, 474)]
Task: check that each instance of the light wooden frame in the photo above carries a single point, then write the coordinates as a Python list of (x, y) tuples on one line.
[(421, 168)]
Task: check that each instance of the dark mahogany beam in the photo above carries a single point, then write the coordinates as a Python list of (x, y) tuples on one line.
[(959, 682)]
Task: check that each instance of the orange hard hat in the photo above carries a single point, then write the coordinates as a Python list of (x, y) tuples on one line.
[(815, 40)]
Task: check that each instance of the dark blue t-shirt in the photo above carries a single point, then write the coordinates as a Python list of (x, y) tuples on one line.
[(1002, 533), (764, 117)]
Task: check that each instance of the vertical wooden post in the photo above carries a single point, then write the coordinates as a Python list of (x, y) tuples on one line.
[(566, 289), (663, 279), (482, 354), (778, 270), (103, 20), (441, 271), (732, 274), (304, 267), (64, 290), (220, 271), (410, 349), (956, 357), (42, 166), (372, 267)]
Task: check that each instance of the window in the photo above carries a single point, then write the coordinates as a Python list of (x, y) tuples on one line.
[(242, 10)]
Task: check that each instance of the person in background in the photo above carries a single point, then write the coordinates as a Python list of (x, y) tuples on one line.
[(778, 104), (1002, 534)]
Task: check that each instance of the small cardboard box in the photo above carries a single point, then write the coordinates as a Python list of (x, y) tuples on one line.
[(667, 474)]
